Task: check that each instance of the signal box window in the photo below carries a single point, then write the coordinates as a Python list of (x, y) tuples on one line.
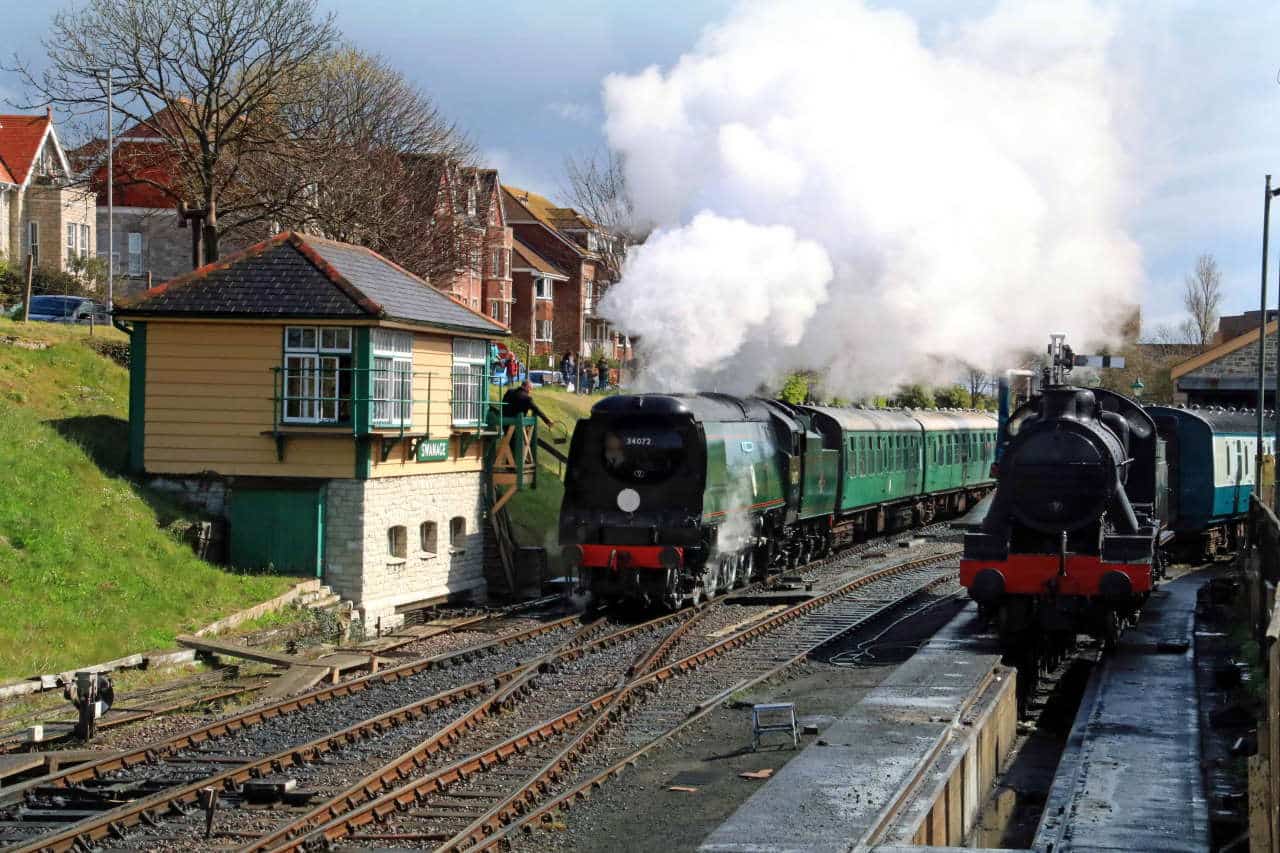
[(317, 374)]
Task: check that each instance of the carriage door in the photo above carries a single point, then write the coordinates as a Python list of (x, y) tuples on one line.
[(1235, 494)]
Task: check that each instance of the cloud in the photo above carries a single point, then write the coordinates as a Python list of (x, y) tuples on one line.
[(967, 197)]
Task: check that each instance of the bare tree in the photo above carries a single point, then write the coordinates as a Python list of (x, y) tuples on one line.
[(979, 383), (209, 78), (1202, 296), (383, 172), (597, 188)]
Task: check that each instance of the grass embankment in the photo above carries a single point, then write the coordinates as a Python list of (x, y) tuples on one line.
[(86, 571), (535, 513)]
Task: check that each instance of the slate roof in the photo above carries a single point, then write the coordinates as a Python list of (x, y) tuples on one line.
[(298, 275)]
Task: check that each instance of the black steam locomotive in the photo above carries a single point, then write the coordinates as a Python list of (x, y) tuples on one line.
[(1072, 540)]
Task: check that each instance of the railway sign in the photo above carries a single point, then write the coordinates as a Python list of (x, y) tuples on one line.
[(433, 450)]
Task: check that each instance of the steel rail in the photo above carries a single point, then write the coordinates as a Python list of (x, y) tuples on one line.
[(155, 751), (508, 684), (522, 821), (608, 704), (114, 821), (404, 765)]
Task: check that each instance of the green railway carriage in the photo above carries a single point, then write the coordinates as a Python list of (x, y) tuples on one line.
[(959, 449), (671, 498), (900, 467)]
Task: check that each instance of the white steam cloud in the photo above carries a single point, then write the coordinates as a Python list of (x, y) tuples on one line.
[(830, 193)]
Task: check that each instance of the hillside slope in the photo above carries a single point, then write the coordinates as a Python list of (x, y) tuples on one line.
[(86, 572), (535, 513)]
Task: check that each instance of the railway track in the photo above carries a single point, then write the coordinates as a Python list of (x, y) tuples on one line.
[(305, 748), (478, 801), (135, 785)]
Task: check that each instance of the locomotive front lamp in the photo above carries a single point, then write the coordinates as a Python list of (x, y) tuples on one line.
[(1137, 387)]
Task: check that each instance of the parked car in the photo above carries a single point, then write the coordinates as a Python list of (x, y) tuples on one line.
[(65, 309), (545, 377)]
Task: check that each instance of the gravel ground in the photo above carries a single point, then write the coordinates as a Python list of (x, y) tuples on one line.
[(709, 756)]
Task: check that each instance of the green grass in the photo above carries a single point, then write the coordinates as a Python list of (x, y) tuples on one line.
[(86, 572), (535, 513)]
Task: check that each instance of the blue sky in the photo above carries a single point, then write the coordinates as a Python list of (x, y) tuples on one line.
[(1200, 115)]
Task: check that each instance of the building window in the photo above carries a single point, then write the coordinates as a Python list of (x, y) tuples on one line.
[(392, 377), (427, 538), (542, 331), (317, 374), (475, 261), (135, 253), (398, 541), (33, 241), (84, 240), (542, 288), (471, 201), (470, 385), (496, 263), (506, 262), (457, 532), (73, 238), (493, 308), (506, 313)]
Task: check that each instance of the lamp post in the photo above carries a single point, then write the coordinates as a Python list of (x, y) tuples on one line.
[(1262, 317), (1137, 389)]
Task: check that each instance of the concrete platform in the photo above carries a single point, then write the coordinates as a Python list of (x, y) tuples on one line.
[(1129, 779), (842, 789)]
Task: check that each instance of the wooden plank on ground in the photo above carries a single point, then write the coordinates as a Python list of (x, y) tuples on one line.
[(295, 680), (235, 650)]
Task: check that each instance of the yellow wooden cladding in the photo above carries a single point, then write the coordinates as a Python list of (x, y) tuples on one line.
[(209, 401), (210, 391)]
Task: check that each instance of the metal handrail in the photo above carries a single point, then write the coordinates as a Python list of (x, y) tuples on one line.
[(475, 414)]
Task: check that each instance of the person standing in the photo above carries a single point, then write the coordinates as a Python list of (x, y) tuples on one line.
[(567, 370), (602, 374)]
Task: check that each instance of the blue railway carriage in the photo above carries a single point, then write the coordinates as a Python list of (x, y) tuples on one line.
[(1212, 458)]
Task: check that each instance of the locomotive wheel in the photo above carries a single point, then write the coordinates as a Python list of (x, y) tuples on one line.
[(745, 568), (730, 574), (711, 579)]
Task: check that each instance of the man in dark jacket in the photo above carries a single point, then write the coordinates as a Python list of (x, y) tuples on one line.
[(519, 401), (602, 373)]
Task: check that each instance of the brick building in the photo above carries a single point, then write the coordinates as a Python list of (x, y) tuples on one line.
[(335, 404), (148, 243), (1227, 374), (44, 212), (575, 247), (465, 228), (534, 281)]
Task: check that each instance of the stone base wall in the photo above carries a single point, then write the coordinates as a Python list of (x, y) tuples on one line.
[(359, 564)]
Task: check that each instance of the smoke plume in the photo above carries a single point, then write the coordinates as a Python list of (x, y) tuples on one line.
[(829, 192)]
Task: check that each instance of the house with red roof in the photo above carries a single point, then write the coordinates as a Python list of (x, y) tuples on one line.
[(45, 213), (149, 244)]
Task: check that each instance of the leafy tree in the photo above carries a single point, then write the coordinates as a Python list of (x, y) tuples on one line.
[(795, 390), (915, 396), (951, 397)]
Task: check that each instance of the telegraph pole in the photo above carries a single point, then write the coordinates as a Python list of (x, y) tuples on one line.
[(111, 213)]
